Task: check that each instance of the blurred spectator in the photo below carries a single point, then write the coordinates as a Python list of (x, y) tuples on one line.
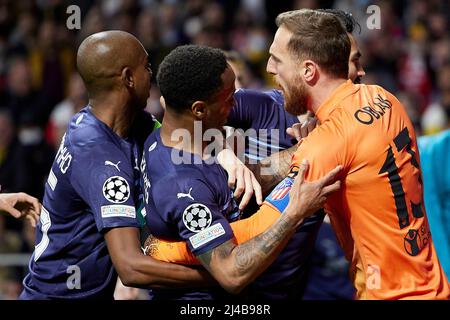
[(27, 157), (411, 103), (13, 170), (244, 77), (147, 30), (64, 111), (23, 38), (38, 154), (93, 22), (437, 115), (51, 62), (10, 289), (210, 36), (19, 97), (168, 27), (10, 242)]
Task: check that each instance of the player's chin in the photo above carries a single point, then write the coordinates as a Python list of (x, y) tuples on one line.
[(295, 110)]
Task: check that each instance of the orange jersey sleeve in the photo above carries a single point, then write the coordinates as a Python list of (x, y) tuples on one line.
[(378, 215), (244, 230)]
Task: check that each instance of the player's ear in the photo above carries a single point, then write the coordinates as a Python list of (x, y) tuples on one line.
[(309, 70), (127, 77), (199, 109), (162, 102)]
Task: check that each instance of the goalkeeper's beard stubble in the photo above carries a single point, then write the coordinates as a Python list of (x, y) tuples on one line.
[(296, 97)]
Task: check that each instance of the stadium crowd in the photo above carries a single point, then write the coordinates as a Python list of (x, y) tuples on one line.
[(40, 89)]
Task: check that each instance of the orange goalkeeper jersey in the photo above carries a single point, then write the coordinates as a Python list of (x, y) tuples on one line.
[(378, 214)]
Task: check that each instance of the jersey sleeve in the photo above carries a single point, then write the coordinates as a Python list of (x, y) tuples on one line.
[(103, 177), (193, 212)]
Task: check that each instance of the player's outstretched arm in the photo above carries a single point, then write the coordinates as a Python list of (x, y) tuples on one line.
[(244, 230), (235, 266), (21, 205), (137, 270)]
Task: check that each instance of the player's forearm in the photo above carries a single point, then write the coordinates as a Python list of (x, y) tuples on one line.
[(137, 270), (235, 266), (271, 170), (146, 272)]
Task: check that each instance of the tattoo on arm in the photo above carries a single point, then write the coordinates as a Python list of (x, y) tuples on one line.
[(222, 251), (255, 253)]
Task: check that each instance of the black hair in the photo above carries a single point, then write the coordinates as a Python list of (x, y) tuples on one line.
[(190, 73), (346, 18)]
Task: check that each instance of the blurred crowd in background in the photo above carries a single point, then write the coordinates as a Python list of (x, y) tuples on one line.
[(40, 89)]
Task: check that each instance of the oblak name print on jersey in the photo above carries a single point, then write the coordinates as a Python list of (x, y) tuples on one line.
[(367, 115)]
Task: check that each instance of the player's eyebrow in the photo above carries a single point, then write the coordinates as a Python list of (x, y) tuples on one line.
[(274, 57)]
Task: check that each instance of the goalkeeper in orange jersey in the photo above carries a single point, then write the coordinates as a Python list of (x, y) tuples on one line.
[(378, 215)]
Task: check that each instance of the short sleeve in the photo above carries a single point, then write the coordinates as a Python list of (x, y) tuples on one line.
[(103, 177), (190, 205)]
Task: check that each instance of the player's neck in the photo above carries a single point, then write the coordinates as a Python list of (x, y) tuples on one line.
[(322, 91), (113, 112), (188, 139)]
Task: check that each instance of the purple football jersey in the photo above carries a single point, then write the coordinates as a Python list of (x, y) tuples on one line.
[(90, 189), (186, 199)]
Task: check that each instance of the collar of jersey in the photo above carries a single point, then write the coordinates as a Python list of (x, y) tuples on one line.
[(332, 102)]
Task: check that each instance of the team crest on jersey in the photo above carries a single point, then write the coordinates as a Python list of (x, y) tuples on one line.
[(116, 189), (282, 189), (197, 217)]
